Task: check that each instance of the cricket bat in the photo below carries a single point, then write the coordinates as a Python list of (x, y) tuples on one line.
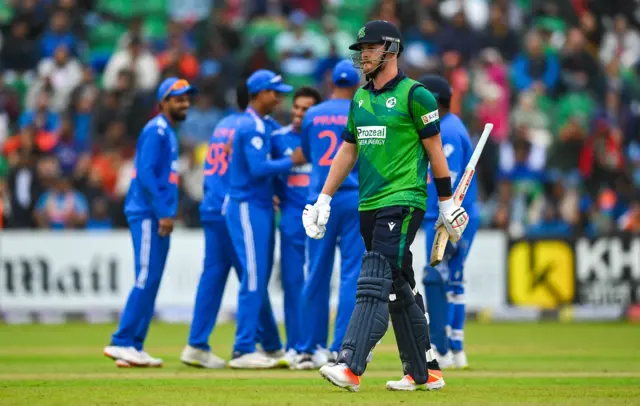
[(442, 236)]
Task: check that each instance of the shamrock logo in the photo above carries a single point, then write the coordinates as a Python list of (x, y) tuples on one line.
[(361, 33)]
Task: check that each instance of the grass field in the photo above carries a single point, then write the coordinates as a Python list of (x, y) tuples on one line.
[(512, 364)]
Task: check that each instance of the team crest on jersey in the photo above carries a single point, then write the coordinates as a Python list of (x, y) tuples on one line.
[(360, 103), (391, 102), (257, 142)]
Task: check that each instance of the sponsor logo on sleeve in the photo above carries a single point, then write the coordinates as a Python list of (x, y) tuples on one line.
[(430, 117)]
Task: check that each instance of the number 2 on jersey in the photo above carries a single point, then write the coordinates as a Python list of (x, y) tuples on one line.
[(327, 158)]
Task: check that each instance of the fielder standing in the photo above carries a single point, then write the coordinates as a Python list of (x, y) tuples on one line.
[(393, 131), (150, 207), (444, 284)]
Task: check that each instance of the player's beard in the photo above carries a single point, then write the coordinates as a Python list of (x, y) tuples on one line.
[(178, 115)]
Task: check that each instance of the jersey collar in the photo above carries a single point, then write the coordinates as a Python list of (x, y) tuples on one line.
[(388, 86)]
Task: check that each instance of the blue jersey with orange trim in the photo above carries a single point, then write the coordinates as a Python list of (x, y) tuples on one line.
[(292, 188), (322, 128), (252, 171), (154, 187), (458, 149), (216, 168)]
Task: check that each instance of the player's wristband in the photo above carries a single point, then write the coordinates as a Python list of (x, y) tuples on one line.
[(443, 186), (323, 198)]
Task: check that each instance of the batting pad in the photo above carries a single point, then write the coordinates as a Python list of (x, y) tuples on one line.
[(370, 318), (411, 330)]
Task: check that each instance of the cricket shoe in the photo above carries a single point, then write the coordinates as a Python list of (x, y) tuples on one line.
[(405, 384), (304, 362), (151, 361), (254, 360), (126, 356), (460, 360), (435, 380), (279, 357), (288, 360), (341, 376), (446, 361), (195, 357)]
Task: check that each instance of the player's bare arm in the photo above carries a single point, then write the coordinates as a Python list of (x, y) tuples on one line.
[(342, 164)]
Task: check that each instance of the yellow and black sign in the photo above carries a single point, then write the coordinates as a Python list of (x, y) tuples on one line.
[(541, 273)]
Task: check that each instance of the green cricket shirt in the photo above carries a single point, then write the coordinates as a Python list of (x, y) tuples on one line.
[(388, 126)]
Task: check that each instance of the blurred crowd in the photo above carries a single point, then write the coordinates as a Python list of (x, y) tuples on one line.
[(559, 79)]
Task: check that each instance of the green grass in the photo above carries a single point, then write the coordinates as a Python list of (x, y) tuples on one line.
[(512, 364)]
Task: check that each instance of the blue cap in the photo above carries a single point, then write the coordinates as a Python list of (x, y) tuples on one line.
[(345, 75), (266, 80), (174, 87)]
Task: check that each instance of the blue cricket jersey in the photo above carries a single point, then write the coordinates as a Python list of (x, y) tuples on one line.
[(322, 128), (216, 168), (457, 148), (154, 187), (252, 170), (292, 187)]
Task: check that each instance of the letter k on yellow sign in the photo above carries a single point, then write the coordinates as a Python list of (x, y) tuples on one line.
[(541, 273)]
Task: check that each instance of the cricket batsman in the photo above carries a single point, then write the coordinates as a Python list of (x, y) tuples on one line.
[(393, 131), (444, 284), (150, 207), (250, 212), (293, 189), (321, 130)]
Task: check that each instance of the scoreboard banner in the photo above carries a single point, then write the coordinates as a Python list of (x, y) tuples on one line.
[(602, 272)]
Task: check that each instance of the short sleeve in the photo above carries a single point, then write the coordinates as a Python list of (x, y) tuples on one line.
[(348, 135), (424, 112)]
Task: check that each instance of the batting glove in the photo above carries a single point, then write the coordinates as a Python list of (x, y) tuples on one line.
[(315, 218), (455, 219)]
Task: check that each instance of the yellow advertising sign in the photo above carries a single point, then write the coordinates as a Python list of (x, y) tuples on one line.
[(541, 273)]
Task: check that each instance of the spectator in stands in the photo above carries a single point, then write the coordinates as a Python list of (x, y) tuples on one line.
[(58, 34), (335, 36), (426, 35), (459, 37), (23, 188), (189, 11), (177, 58), (297, 47), (201, 120), (136, 59), (19, 52), (100, 217), (499, 35), (533, 69), (551, 225), (9, 109), (630, 221), (42, 117), (35, 14), (527, 114), (622, 42), (63, 72), (61, 207), (492, 85), (68, 150), (579, 71)]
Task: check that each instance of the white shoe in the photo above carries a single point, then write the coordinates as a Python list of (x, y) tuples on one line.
[(254, 360), (304, 362), (446, 360), (405, 384), (195, 357), (126, 356), (460, 360), (321, 357), (341, 376), (152, 362), (288, 360)]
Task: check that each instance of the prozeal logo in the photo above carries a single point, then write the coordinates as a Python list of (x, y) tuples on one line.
[(374, 131)]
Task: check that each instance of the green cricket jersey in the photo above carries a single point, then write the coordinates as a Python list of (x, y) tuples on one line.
[(388, 126)]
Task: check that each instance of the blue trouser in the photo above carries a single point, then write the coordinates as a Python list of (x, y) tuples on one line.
[(250, 227), (444, 289), (219, 257), (150, 251), (292, 260), (343, 230), (268, 334)]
